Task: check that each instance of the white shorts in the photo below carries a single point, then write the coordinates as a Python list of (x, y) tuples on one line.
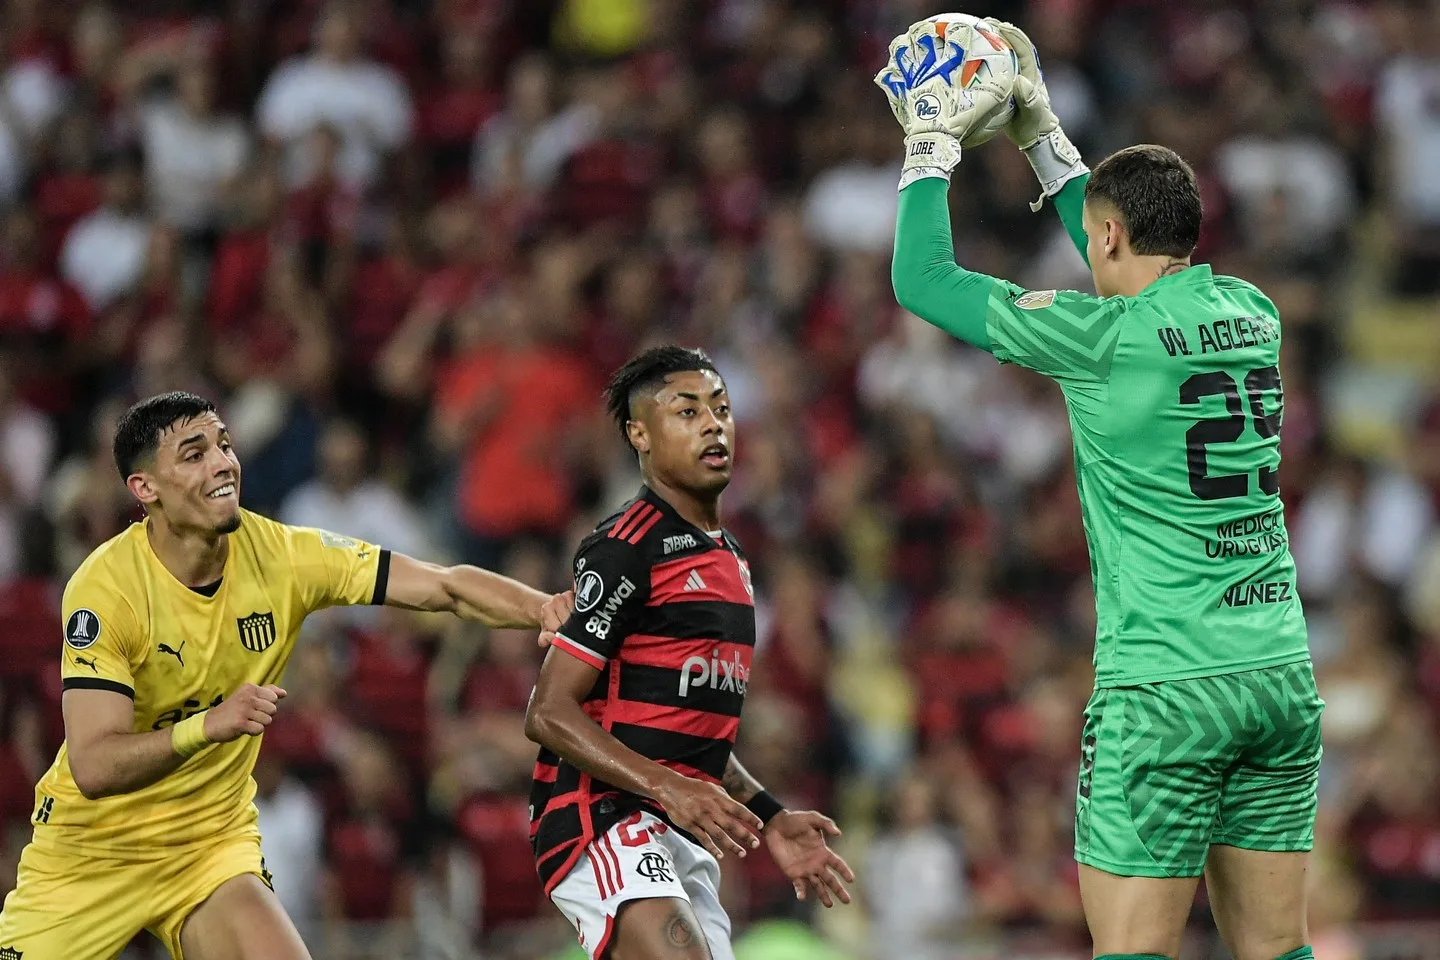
[(641, 858)]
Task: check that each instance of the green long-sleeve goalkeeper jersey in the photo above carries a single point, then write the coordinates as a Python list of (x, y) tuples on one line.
[(1175, 404)]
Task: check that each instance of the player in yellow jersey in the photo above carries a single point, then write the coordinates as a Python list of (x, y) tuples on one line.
[(176, 633)]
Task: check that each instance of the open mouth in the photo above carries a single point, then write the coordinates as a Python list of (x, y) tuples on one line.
[(715, 455), (221, 492)]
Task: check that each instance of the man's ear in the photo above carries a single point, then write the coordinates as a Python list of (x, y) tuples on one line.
[(142, 488), (1116, 237), (639, 435)]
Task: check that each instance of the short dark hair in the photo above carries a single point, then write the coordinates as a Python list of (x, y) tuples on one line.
[(1155, 192), (137, 435), (646, 372)]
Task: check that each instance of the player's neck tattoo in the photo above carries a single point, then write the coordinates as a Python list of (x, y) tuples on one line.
[(1172, 267)]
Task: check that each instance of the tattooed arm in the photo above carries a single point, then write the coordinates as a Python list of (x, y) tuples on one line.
[(738, 782)]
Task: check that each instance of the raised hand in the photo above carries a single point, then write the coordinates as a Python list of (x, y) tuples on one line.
[(1035, 128), (1034, 117), (948, 76)]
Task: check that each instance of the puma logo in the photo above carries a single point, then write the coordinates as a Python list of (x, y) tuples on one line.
[(166, 648), (87, 663)]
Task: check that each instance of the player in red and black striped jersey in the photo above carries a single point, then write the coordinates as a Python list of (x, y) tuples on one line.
[(636, 793)]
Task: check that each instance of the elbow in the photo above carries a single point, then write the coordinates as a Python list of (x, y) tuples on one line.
[(90, 781), (906, 298), (905, 292), (534, 726), (538, 729)]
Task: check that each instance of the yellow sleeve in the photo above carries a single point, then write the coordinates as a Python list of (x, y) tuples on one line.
[(333, 570), (104, 643)]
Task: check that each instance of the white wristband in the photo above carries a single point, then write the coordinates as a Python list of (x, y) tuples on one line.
[(1056, 162), (929, 155)]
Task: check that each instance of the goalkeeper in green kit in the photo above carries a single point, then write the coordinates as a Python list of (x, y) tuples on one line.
[(1201, 743)]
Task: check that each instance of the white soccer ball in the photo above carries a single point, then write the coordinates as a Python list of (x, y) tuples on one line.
[(986, 62)]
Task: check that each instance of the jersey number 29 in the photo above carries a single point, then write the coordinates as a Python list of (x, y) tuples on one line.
[(1227, 429)]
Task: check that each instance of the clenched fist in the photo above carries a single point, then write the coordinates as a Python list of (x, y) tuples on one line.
[(245, 713)]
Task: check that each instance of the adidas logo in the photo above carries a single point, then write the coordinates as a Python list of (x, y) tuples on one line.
[(693, 582)]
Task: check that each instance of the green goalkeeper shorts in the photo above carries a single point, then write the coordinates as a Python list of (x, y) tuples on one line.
[(1169, 768)]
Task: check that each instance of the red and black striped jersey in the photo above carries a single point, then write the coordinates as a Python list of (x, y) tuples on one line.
[(666, 612)]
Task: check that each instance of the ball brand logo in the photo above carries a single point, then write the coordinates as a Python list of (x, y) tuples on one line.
[(717, 674), (927, 107)]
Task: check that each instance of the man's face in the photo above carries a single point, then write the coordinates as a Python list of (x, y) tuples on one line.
[(195, 477), (686, 430)]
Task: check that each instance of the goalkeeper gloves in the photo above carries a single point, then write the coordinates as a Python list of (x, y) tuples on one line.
[(1035, 129), (936, 115)]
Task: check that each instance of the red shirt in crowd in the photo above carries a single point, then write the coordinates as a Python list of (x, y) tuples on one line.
[(514, 477)]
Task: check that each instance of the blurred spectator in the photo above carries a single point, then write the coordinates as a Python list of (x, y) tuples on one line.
[(104, 254), (193, 155), (852, 205), (347, 498), (32, 95), (1265, 164), (27, 445), (914, 879), (292, 825), (523, 147), (336, 86), (505, 406), (1407, 118)]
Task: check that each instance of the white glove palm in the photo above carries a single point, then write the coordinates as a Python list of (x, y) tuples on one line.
[(936, 112), (1035, 128)]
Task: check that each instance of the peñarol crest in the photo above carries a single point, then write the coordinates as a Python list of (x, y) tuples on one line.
[(257, 631)]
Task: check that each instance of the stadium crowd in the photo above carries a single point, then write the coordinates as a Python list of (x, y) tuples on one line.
[(403, 244)]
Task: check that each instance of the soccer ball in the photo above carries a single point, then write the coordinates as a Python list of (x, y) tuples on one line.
[(969, 53)]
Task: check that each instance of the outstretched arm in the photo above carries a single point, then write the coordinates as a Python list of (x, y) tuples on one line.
[(472, 594), (1035, 129), (927, 280), (1070, 204), (1062, 334)]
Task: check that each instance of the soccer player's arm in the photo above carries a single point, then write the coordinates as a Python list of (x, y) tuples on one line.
[(618, 584), (1062, 334), (335, 570), (1070, 204), (103, 645)]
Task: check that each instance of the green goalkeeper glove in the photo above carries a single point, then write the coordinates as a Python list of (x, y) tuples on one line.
[(1035, 129)]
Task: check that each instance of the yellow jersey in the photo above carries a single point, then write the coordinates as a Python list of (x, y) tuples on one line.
[(131, 627)]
